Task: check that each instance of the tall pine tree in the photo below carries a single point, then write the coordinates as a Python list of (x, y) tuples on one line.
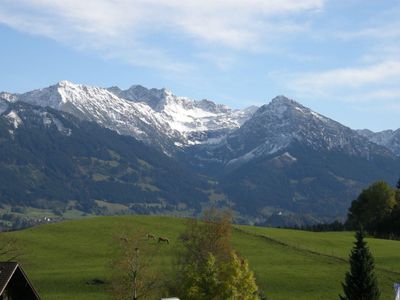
[(360, 281)]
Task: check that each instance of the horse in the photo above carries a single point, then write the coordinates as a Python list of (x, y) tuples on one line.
[(150, 236), (163, 239)]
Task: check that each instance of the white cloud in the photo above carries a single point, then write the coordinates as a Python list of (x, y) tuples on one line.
[(383, 72), (387, 31), (123, 27)]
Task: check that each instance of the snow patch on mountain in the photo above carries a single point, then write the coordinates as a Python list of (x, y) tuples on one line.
[(155, 116), (8, 97), (190, 117), (215, 131), (50, 120), (197, 121), (288, 156), (264, 149), (14, 119), (103, 107)]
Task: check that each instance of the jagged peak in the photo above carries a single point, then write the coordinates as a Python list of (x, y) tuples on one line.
[(282, 107), (135, 87), (8, 97), (280, 103), (65, 83), (283, 100), (141, 88), (114, 89)]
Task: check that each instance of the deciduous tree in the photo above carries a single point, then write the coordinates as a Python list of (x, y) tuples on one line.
[(208, 267), (133, 277), (372, 205)]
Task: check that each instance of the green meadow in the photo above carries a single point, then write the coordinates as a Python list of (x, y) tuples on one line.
[(63, 258)]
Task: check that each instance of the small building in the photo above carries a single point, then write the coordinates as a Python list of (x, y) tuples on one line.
[(14, 284)]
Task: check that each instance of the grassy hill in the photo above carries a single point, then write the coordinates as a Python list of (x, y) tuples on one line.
[(61, 258)]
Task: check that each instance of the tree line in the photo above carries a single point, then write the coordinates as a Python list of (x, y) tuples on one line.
[(376, 210)]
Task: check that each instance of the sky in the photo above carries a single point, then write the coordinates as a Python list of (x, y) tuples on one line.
[(341, 58)]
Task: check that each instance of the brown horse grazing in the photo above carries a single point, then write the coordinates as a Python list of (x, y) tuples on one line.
[(163, 239), (150, 236)]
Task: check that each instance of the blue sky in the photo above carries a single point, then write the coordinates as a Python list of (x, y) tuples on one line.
[(339, 57)]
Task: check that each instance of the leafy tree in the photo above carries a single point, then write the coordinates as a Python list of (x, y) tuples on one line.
[(210, 235), (132, 275), (389, 227), (372, 205), (397, 191), (239, 281), (202, 282), (207, 266), (360, 282)]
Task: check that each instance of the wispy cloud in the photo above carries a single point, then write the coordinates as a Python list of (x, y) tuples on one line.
[(355, 77), (367, 83), (122, 28), (362, 96), (391, 30)]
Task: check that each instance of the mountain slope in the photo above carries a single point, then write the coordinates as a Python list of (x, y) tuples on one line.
[(197, 121), (50, 158), (281, 158), (287, 158), (277, 125), (388, 138), (156, 117), (303, 181), (101, 106)]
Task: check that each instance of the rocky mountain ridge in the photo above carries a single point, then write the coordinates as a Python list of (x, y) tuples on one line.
[(156, 117), (281, 157), (389, 139)]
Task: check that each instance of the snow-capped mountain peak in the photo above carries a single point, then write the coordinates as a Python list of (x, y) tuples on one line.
[(198, 122), (108, 110), (284, 123), (283, 100), (283, 107), (155, 116), (138, 93)]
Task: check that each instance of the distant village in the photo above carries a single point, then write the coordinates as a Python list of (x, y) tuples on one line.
[(10, 221)]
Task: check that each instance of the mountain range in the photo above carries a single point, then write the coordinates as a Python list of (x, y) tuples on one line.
[(150, 148)]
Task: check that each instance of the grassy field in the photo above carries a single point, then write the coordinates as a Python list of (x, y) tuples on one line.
[(61, 258)]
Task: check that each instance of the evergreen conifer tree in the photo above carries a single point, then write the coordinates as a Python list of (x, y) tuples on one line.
[(360, 281)]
